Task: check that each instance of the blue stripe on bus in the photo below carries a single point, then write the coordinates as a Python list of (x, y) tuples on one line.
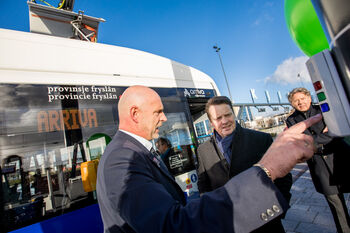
[(85, 220)]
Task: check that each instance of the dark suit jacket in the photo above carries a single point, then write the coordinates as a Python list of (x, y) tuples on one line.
[(248, 147), (329, 166), (136, 195)]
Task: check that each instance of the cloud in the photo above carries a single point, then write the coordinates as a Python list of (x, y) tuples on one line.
[(292, 70), (257, 22), (265, 15), (265, 18)]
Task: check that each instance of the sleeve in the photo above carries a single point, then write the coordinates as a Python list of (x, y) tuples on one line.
[(245, 203), (285, 183), (322, 138)]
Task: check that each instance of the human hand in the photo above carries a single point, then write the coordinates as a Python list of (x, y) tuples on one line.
[(290, 147), (325, 130)]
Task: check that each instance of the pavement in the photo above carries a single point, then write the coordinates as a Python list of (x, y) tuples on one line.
[(309, 212)]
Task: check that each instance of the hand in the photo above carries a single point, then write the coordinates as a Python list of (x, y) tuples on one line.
[(289, 148), (325, 130)]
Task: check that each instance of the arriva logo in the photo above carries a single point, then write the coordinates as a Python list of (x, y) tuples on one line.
[(193, 92), (187, 93), (196, 92)]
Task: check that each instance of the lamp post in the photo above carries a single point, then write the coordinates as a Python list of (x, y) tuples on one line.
[(217, 50)]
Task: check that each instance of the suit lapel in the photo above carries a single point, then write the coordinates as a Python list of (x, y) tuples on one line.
[(163, 169), (236, 147), (159, 164), (143, 150), (299, 117)]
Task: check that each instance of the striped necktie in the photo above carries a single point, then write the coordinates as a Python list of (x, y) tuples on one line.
[(158, 160)]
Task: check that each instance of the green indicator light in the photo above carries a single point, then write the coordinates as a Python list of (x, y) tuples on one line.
[(321, 96)]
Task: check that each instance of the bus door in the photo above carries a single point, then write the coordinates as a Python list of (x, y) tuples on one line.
[(182, 107), (196, 100), (202, 127), (19, 205)]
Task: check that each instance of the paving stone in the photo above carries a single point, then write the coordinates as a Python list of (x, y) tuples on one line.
[(300, 215), (289, 225), (324, 218), (293, 201), (323, 209), (317, 195), (313, 201), (300, 166), (300, 207), (313, 228), (301, 194), (309, 212)]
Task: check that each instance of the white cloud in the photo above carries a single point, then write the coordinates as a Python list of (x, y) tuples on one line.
[(265, 18), (292, 70), (257, 22), (265, 15)]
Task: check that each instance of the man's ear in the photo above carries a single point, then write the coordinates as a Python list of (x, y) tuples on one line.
[(309, 98), (211, 124), (234, 116), (134, 114)]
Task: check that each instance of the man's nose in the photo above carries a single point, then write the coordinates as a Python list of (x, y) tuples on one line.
[(163, 117)]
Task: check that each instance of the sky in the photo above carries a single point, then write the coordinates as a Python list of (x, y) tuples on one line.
[(257, 50)]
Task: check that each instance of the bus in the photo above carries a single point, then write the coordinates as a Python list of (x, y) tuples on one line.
[(58, 112)]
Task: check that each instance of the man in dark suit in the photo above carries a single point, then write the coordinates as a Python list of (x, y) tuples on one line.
[(137, 194), (233, 149), (329, 167)]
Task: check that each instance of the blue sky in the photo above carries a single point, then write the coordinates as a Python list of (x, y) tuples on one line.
[(256, 48)]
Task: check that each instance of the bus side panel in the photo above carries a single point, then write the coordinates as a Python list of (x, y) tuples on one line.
[(86, 219)]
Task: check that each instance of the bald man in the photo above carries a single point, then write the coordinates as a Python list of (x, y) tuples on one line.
[(136, 193)]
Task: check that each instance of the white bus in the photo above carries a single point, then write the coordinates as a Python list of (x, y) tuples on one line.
[(58, 110)]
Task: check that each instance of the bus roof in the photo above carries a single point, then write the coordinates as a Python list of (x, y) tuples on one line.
[(36, 59)]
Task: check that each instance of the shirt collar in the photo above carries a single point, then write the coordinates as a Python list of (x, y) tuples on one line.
[(227, 138), (305, 114), (142, 140)]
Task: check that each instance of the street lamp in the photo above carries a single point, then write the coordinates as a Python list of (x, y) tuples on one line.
[(217, 49)]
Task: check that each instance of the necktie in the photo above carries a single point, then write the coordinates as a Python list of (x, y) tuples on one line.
[(155, 153), (157, 159)]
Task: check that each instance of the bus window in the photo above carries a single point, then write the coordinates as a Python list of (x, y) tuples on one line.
[(51, 133), (200, 119)]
